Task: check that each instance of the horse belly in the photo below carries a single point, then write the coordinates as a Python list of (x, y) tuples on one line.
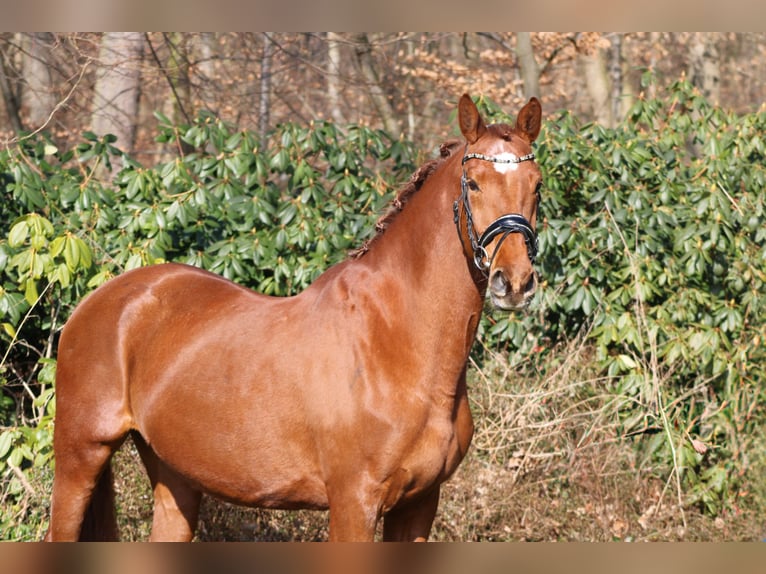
[(237, 436), (250, 466)]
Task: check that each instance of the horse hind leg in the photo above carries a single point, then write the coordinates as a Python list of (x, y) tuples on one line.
[(176, 502), (82, 501)]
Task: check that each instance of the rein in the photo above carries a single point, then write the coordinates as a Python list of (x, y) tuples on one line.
[(503, 225)]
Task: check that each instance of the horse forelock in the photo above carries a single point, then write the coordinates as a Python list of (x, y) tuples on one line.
[(415, 182), (502, 131)]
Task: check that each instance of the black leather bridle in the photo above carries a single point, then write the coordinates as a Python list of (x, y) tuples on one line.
[(503, 225)]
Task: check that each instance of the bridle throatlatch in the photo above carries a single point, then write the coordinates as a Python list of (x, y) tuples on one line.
[(503, 225)]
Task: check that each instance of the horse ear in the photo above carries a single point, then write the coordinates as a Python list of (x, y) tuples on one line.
[(528, 120), (471, 123)]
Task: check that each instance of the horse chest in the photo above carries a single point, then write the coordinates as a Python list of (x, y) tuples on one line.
[(436, 454)]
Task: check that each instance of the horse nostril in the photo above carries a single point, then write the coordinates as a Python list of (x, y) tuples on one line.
[(531, 284), (499, 284)]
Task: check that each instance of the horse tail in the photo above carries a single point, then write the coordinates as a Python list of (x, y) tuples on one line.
[(100, 521)]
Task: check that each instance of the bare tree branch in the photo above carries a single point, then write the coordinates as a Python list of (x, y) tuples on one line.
[(179, 102), (366, 65), (58, 106)]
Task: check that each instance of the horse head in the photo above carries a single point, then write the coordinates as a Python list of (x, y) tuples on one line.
[(496, 212)]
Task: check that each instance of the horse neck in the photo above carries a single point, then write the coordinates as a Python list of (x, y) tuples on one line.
[(421, 248)]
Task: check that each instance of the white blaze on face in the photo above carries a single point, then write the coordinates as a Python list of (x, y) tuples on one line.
[(505, 167)]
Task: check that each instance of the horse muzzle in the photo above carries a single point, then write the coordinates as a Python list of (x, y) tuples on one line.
[(512, 291)]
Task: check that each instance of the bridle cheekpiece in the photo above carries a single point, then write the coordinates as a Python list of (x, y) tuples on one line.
[(503, 225)]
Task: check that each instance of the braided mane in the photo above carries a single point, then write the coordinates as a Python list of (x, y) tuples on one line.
[(415, 182)]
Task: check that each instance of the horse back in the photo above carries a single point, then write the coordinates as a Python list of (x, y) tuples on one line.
[(128, 329)]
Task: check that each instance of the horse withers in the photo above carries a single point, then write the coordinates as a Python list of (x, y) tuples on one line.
[(350, 396)]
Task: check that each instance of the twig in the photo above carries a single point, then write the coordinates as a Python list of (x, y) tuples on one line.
[(56, 108), (164, 71), (24, 320), (641, 315), (23, 479), (731, 199)]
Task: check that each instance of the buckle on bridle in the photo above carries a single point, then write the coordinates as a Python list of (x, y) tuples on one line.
[(481, 259)]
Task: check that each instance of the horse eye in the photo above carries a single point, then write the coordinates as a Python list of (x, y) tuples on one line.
[(472, 185), (538, 189)]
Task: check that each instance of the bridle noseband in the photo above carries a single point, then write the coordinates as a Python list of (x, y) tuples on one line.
[(503, 225)]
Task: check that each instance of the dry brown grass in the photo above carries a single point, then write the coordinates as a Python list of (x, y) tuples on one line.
[(549, 462)]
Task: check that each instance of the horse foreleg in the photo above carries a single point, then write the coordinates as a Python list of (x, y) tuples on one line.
[(176, 502), (353, 518), (176, 508), (411, 522)]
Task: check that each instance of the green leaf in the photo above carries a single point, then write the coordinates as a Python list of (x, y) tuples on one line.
[(57, 246), (19, 233), (63, 275), (281, 239), (30, 292), (133, 262), (86, 257), (10, 330), (627, 362), (6, 441), (99, 278), (16, 457), (71, 253), (47, 374)]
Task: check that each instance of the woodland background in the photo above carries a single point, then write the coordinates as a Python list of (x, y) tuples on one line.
[(404, 83), (627, 404)]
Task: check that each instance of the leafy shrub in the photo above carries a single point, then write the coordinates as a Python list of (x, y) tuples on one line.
[(653, 243)]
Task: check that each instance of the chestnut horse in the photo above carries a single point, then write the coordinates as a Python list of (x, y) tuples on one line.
[(350, 396)]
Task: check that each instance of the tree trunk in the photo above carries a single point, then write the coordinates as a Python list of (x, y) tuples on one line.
[(530, 71), (265, 103), (178, 76), (366, 65), (116, 93), (206, 50), (597, 82), (333, 77), (38, 96), (615, 72), (7, 85), (705, 66)]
